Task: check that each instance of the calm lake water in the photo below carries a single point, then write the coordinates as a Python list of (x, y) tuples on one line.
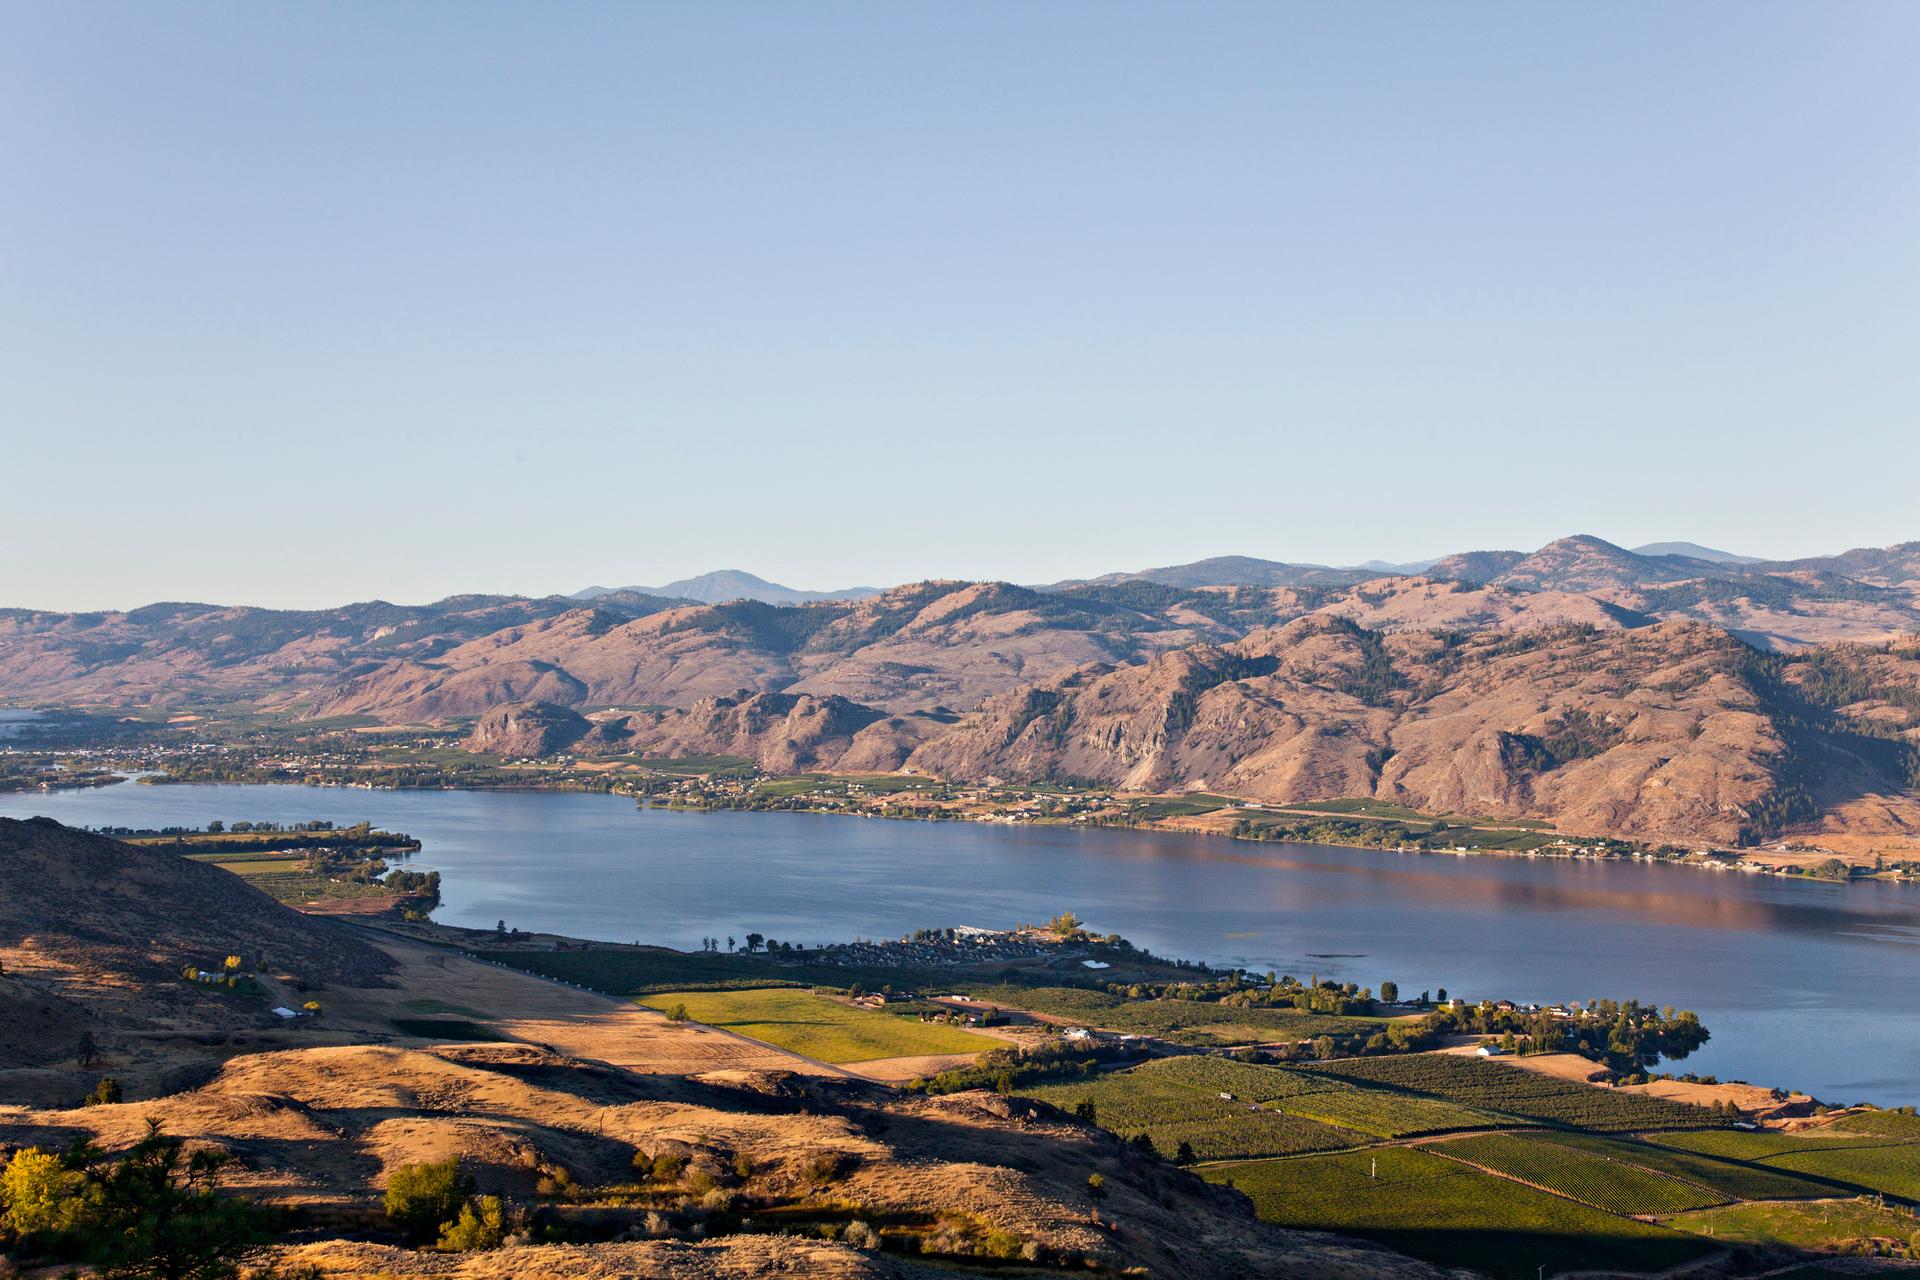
[(1814, 986)]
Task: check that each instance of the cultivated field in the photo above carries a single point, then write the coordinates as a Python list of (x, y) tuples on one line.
[(1177, 1100), (820, 1028), (1828, 1226), (1444, 1211), (1524, 1094), (1731, 1178), (1845, 1159), (1193, 1022), (1585, 1175)]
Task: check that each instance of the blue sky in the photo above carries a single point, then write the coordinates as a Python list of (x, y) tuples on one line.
[(308, 303)]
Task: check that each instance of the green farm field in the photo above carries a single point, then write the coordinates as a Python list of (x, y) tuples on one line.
[(1733, 1179), (817, 1027), (1175, 1100), (1517, 1092), (1444, 1211), (1844, 1159), (1826, 1226), (1585, 1175)]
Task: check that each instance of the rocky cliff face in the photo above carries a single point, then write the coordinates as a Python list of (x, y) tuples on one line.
[(787, 733), (528, 729)]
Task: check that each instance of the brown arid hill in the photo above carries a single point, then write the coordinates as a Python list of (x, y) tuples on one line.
[(1674, 731), (1866, 595), (913, 648), (326, 1128), (1437, 604), (94, 933), (166, 654)]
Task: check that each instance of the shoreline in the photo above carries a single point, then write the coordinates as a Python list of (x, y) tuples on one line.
[(1713, 859)]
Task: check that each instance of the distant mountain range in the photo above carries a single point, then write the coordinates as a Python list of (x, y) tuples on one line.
[(1607, 689), (723, 585)]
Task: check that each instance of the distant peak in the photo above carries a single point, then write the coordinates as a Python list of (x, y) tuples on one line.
[(1694, 551), (722, 585)]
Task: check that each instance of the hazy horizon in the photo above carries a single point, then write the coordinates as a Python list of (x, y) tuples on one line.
[(307, 305)]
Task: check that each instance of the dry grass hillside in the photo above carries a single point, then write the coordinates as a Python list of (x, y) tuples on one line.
[(324, 1129), (121, 915), (94, 934), (1657, 732)]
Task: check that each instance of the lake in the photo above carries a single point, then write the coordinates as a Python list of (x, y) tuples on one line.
[(1807, 985)]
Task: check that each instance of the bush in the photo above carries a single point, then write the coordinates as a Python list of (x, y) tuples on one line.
[(106, 1093), (665, 1167), (482, 1224), (861, 1236), (421, 1198)]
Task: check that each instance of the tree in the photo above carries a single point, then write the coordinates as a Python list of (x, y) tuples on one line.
[(89, 1049), (1096, 1187), (753, 941), (1441, 995), (104, 1094), (421, 1198), (730, 945), (37, 1194), (482, 1224), (1084, 1110), (215, 827), (1184, 1153), (500, 927), (1390, 992), (156, 1213)]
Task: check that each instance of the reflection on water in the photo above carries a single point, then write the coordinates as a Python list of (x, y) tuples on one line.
[(1803, 984)]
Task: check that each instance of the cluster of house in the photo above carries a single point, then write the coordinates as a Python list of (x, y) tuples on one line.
[(960, 945)]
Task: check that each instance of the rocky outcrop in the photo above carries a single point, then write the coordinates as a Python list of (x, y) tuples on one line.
[(785, 733), (528, 729)]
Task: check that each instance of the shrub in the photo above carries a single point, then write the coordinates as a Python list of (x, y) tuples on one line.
[(421, 1198), (482, 1224), (665, 1167), (862, 1236), (104, 1094)]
